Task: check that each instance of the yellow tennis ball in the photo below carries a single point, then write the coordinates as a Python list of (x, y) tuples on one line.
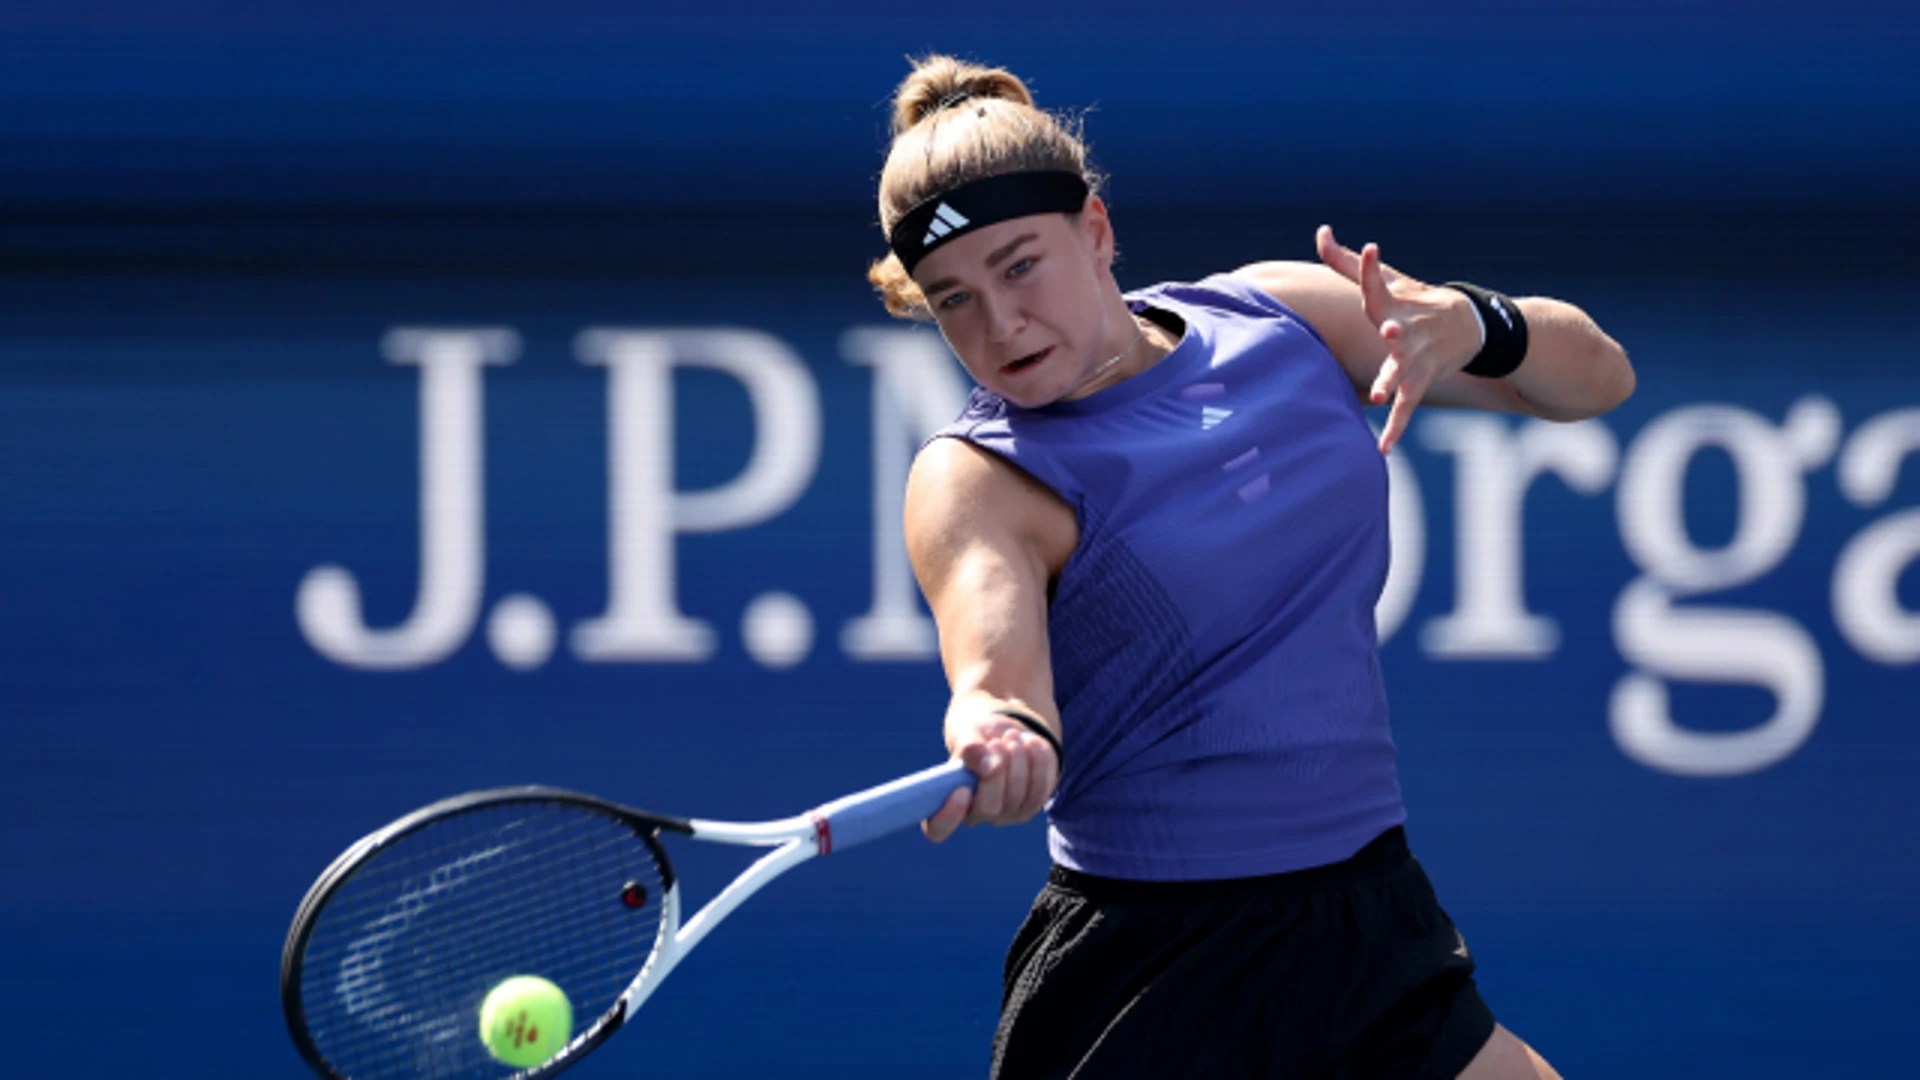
[(525, 1020)]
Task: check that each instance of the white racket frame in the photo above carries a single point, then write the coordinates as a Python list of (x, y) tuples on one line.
[(844, 822), (794, 840)]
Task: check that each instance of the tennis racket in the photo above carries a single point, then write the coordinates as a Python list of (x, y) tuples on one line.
[(398, 943)]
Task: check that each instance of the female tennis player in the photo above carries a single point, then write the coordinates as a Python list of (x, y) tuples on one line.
[(1155, 538)]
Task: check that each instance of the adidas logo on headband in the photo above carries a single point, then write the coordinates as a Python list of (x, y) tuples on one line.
[(979, 203), (945, 220)]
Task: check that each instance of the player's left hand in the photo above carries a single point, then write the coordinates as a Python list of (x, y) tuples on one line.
[(1429, 330)]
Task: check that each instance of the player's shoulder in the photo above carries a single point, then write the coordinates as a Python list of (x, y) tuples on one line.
[(961, 474), (965, 502), (958, 489), (1254, 307), (1231, 294)]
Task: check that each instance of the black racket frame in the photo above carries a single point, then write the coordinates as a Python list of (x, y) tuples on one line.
[(646, 826)]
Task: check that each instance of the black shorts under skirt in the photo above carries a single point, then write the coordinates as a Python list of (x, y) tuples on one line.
[(1347, 970)]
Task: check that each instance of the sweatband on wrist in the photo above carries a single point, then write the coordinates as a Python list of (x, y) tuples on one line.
[(1503, 331), (1035, 725), (979, 203)]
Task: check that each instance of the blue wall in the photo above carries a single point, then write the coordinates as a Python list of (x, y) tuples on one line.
[(216, 220), (179, 102), (180, 457)]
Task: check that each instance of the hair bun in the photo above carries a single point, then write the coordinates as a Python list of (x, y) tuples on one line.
[(941, 82), (996, 130)]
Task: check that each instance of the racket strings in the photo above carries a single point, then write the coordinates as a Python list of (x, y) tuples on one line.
[(407, 948)]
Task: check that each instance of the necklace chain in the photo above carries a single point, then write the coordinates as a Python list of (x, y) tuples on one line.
[(1139, 335)]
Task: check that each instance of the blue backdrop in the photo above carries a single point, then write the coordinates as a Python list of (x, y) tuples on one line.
[(1652, 676), (178, 103)]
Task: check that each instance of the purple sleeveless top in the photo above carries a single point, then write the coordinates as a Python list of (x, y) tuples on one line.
[(1213, 645)]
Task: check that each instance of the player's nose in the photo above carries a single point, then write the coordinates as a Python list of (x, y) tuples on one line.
[(1002, 319)]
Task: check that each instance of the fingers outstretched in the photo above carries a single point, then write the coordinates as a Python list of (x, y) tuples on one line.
[(1338, 257), (1373, 286), (1408, 390)]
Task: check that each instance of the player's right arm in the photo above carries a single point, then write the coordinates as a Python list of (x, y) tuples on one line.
[(985, 539)]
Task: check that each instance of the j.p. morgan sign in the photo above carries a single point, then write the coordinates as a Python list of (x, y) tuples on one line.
[(1662, 624)]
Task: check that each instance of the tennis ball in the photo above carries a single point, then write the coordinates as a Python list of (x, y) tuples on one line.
[(525, 1020)]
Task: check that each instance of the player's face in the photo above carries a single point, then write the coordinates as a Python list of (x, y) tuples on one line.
[(1023, 302)]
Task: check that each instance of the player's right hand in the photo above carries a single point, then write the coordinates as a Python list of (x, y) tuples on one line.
[(1017, 771)]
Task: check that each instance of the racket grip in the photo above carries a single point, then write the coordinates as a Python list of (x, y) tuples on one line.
[(875, 812)]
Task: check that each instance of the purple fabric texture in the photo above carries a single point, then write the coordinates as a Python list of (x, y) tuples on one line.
[(1213, 644)]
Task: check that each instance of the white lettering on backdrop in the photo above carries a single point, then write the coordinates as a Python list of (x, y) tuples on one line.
[(1494, 465), (917, 389), (1662, 631), (643, 619), (452, 559), (1866, 578), (1664, 640)]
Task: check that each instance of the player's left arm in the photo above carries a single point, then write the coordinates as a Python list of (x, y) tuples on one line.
[(1402, 340)]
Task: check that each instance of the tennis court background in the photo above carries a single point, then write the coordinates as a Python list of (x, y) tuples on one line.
[(214, 223)]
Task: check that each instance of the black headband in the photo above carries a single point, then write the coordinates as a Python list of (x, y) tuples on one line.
[(980, 203)]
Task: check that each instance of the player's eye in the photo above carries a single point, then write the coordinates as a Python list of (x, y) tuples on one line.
[(952, 300), (1020, 268)]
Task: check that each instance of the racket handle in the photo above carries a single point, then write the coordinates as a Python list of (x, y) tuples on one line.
[(875, 812)]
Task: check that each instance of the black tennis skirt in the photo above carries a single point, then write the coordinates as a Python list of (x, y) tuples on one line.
[(1347, 970)]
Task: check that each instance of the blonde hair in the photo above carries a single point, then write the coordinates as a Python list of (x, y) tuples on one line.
[(954, 123)]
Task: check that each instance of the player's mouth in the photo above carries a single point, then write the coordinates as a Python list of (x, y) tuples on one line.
[(1015, 367)]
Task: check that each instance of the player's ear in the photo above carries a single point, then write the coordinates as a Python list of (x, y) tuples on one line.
[(1099, 230)]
